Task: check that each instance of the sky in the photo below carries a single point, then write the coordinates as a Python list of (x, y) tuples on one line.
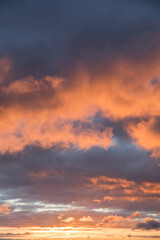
[(80, 119)]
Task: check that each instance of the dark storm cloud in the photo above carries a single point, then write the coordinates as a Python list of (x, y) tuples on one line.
[(145, 236), (51, 38), (149, 225)]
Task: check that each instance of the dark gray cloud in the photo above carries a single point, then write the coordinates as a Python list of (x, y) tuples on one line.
[(145, 236), (54, 37), (13, 234), (149, 224), (59, 176)]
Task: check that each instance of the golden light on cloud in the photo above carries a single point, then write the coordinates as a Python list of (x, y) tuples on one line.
[(86, 219), (79, 120), (5, 209)]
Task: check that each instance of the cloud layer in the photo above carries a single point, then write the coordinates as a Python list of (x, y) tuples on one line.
[(79, 119)]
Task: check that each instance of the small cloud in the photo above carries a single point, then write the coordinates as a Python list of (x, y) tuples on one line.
[(136, 215), (108, 198), (112, 218), (97, 200), (86, 219), (67, 220), (5, 209), (60, 216)]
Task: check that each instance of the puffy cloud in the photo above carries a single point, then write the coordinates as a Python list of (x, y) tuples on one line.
[(136, 214), (113, 218), (5, 209), (147, 135), (43, 112), (149, 224), (115, 221), (86, 219), (68, 220), (118, 221)]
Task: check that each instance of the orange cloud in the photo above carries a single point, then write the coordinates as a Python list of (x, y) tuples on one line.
[(150, 188), (19, 131), (68, 220), (136, 215), (146, 135), (43, 111), (117, 221), (104, 182), (108, 198), (97, 200), (86, 219), (125, 190), (5, 209), (112, 218)]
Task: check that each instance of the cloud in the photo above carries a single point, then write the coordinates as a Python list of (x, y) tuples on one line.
[(48, 108), (10, 234), (68, 220), (41, 112), (118, 221), (136, 214), (149, 224), (5, 209), (146, 134), (86, 219), (43, 173), (129, 187), (79, 113), (144, 236), (110, 219)]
